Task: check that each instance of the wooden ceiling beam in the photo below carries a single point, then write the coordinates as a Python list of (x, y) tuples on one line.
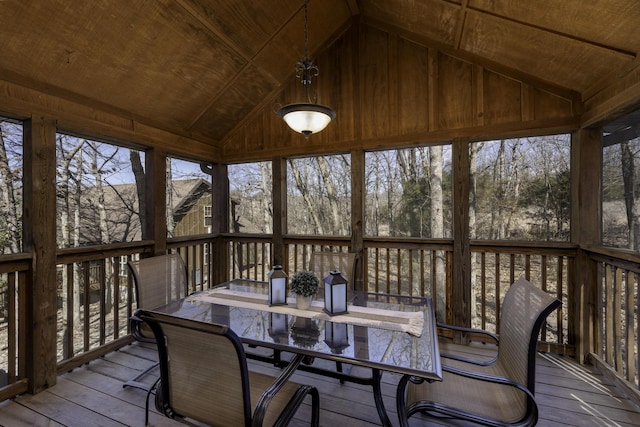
[(462, 18)]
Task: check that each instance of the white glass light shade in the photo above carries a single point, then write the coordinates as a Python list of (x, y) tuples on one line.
[(307, 118)]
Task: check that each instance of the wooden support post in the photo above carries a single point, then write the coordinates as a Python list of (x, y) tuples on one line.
[(39, 221), (458, 307), (220, 222), (155, 215), (586, 216), (279, 194), (357, 216)]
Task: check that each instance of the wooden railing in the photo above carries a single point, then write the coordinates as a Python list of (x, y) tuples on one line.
[(617, 297), (549, 266), (250, 256), (422, 267), (96, 295), (13, 324), (197, 254), (95, 300)]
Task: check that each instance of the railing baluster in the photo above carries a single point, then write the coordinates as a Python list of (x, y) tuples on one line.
[(11, 330), (87, 304), (629, 327)]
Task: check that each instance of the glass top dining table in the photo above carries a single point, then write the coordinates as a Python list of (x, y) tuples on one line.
[(382, 347)]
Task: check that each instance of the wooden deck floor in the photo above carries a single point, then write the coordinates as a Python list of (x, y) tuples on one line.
[(567, 394)]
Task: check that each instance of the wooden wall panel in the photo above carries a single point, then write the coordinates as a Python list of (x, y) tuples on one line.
[(336, 88), (455, 93), (388, 91), (547, 105), (502, 99), (373, 84), (413, 87)]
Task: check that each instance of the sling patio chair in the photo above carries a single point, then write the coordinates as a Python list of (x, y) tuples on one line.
[(157, 281), (204, 377), (496, 392)]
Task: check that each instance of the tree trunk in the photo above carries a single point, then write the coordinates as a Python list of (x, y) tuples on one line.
[(437, 224), (306, 196), (65, 211), (138, 174), (96, 170), (334, 205), (265, 173), (171, 221), (473, 170), (628, 178), (7, 198)]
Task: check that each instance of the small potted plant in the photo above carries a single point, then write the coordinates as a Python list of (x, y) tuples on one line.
[(305, 285)]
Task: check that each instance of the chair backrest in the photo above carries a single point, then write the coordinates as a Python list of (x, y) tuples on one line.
[(158, 280), (203, 371), (523, 311), (322, 263)]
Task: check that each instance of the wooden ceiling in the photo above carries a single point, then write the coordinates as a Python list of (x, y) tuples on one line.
[(198, 68)]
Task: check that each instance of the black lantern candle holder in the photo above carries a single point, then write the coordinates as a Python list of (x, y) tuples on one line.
[(279, 327), (336, 336), (277, 286), (335, 294)]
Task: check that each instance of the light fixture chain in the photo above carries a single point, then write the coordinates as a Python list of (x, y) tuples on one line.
[(306, 30)]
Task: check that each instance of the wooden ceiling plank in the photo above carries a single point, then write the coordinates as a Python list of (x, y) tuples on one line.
[(547, 29), (547, 55), (488, 64), (611, 23)]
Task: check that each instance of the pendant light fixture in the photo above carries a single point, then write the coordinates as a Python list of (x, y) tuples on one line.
[(307, 118)]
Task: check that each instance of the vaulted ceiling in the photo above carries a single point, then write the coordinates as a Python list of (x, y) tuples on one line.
[(200, 67)]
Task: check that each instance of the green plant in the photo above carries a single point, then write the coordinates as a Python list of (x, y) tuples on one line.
[(305, 283)]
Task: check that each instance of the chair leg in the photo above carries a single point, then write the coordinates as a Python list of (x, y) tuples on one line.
[(146, 406), (135, 382), (315, 408), (339, 369)]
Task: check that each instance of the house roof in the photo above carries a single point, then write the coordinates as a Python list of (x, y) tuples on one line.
[(199, 68), (123, 220)]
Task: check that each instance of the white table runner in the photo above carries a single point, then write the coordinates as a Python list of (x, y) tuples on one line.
[(410, 322)]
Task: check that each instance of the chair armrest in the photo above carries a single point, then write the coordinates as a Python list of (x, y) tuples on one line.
[(276, 386), (402, 384), (491, 336), (135, 321)]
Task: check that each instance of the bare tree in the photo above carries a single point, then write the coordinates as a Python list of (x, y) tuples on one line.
[(437, 223), (11, 216), (138, 174), (303, 188), (266, 180), (332, 196), (171, 222), (631, 194)]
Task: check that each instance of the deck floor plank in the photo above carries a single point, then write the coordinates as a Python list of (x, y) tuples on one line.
[(567, 394)]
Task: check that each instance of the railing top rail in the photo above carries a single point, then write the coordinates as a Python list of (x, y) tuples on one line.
[(616, 253), (408, 243), (195, 239), (621, 258), (15, 262), (505, 246), (238, 237), (97, 252), (318, 240)]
